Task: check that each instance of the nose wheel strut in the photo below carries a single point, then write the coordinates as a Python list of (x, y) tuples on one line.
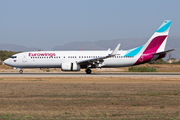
[(21, 71)]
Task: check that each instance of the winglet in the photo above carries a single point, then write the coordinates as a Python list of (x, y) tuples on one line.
[(115, 50)]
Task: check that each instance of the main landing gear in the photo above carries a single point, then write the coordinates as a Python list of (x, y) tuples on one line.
[(88, 71), (21, 71)]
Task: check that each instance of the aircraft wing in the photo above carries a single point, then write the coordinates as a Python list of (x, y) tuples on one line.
[(156, 55), (98, 62)]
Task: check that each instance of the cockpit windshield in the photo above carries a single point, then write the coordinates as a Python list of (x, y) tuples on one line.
[(13, 57)]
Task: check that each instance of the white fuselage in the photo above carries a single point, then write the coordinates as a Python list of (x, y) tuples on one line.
[(54, 59)]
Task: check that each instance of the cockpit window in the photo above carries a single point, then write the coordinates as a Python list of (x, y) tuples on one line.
[(13, 57)]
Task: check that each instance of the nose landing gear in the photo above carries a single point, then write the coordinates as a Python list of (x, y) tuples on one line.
[(88, 71), (21, 71)]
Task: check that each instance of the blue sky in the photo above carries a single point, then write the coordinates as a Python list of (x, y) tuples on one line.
[(48, 23)]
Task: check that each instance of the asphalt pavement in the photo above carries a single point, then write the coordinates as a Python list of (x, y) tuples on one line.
[(74, 74)]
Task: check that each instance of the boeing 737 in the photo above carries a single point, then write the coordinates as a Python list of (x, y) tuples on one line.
[(152, 50)]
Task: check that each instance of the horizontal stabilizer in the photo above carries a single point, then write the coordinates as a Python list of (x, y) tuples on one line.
[(156, 55), (160, 53)]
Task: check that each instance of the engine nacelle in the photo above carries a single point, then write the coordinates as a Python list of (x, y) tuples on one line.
[(70, 66)]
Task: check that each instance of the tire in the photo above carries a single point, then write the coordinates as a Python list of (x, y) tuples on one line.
[(21, 71), (88, 71)]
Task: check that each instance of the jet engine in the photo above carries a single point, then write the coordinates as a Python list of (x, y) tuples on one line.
[(70, 66)]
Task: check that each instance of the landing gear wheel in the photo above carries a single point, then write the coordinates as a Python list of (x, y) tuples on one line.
[(21, 71), (88, 71)]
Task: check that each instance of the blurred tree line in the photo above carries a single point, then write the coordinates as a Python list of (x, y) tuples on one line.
[(6, 54), (160, 61), (176, 61)]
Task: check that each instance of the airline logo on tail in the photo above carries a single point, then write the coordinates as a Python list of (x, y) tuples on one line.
[(155, 44)]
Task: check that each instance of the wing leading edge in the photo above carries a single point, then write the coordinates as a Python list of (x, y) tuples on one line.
[(98, 62)]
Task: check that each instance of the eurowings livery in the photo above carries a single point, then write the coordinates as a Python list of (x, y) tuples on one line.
[(76, 60)]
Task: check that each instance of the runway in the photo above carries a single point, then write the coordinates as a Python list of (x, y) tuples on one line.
[(124, 74)]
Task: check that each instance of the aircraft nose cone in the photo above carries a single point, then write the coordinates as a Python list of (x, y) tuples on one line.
[(6, 61)]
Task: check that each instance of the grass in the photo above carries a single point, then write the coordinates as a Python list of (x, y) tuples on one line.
[(107, 98), (142, 69)]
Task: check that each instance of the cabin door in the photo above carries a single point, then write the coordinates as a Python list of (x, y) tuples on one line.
[(24, 58)]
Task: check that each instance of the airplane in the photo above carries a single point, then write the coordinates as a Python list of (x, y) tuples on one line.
[(151, 51)]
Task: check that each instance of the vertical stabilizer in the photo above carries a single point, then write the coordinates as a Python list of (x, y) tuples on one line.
[(155, 44), (158, 41)]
